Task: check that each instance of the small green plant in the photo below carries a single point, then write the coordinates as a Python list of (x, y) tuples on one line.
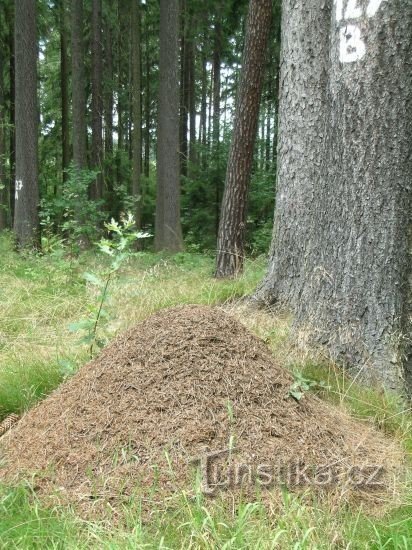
[(119, 249), (301, 385)]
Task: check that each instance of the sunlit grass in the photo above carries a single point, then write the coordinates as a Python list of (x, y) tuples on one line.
[(41, 296)]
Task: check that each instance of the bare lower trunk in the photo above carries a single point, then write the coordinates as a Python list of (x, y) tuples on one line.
[(3, 186), (168, 232), (12, 111), (96, 191), (341, 253), (64, 87), (231, 240), (78, 87), (136, 112), (26, 218)]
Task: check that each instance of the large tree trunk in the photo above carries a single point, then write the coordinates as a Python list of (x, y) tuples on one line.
[(78, 87), (168, 232), (26, 218), (136, 111), (96, 191), (64, 87), (231, 239), (341, 254)]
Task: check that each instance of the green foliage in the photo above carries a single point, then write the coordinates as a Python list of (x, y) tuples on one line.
[(118, 249), (71, 214), (301, 385)]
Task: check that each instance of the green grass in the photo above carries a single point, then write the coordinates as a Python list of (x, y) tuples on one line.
[(197, 524), (40, 296)]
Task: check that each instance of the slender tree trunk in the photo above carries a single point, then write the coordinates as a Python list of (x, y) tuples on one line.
[(147, 106), (96, 191), (203, 108), (231, 240), (217, 52), (340, 258), (277, 31), (209, 114), (108, 108), (26, 218), (3, 185), (168, 232), (184, 88), (136, 111), (121, 33), (268, 142), (78, 87), (192, 102), (12, 111), (64, 87)]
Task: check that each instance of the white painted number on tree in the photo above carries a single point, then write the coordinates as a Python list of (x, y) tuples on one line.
[(19, 187), (352, 45)]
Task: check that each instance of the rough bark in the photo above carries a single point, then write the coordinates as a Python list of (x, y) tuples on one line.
[(192, 101), (64, 89), (231, 239), (78, 87), (168, 232), (136, 111), (120, 107), (3, 185), (26, 218), (108, 108), (203, 107), (96, 191), (12, 110), (217, 60), (147, 105), (217, 81), (184, 88), (341, 254)]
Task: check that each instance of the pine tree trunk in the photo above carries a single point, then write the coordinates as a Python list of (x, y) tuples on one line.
[(64, 87), (78, 87), (3, 186), (96, 191), (341, 254), (168, 232), (184, 89), (217, 53), (136, 111), (147, 106), (203, 108), (192, 102), (26, 218), (231, 239), (121, 41), (108, 109), (12, 110)]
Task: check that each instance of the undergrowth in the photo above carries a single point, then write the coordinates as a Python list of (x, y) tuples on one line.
[(41, 296)]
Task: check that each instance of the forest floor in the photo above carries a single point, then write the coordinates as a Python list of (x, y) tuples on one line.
[(44, 301)]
